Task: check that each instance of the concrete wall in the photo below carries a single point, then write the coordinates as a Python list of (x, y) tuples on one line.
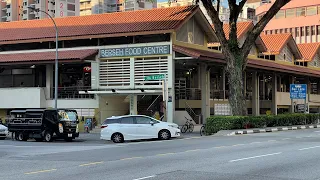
[(180, 117), (22, 98), (112, 106), (75, 103)]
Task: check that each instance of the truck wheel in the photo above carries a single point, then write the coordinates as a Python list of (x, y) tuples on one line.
[(22, 136), (48, 136)]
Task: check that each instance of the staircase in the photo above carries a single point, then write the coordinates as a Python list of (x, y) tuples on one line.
[(147, 105), (195, 117)]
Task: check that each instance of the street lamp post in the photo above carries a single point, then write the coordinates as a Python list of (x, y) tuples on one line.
[(56, 60)]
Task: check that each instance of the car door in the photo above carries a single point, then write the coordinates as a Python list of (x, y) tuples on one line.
[(145, 129), (127, 128)]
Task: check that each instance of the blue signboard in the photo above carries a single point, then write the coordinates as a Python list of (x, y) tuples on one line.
[(298, 91), (135, 51)]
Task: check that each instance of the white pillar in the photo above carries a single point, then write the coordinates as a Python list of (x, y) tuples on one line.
[(133, 104), (171, 91), (255, 94), (274, 94), (205, 92), (49, 81)]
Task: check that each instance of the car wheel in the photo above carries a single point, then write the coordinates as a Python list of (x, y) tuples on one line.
[(117, 138), (164, 135), (48, 136)]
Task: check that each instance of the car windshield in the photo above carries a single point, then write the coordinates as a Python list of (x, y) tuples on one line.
[(67, 115)]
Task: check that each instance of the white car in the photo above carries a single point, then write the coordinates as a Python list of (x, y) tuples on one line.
[(3, 132), (133, 127)]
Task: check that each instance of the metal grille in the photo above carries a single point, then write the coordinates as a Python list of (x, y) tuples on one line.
[(115, 72), (149, 66)]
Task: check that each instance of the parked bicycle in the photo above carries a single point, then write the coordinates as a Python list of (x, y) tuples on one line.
[(203, 130), (188, 126)]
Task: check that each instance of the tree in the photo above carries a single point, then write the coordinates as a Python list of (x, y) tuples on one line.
[(235, 56)]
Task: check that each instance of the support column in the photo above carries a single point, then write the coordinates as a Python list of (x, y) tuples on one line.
[(49, 81), (274, 94), (205, 92), (255, 94), (292, 103), (170, 105), (133, 104), (224, 83)]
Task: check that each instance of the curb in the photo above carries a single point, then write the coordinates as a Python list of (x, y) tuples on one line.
[(273, 129)]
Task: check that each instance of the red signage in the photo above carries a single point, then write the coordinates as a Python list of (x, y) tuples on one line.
[(87, 69)]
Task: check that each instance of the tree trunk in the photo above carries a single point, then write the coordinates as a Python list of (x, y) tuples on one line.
[(235, 75)]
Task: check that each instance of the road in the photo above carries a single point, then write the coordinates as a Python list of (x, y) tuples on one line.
[(281, 155)]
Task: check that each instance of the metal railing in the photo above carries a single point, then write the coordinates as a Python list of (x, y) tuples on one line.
[(195, 94), (153, 103), (193, 115), (72, 93)]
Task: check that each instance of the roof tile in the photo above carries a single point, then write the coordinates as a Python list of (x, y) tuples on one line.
[(47, 56), (275, 42), (108, 23), (309, 50)]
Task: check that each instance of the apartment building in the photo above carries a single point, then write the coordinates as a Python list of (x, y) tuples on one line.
[(16, 10), (301, 18), (88, 7)]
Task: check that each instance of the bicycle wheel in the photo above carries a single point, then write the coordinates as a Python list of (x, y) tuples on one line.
[(202, 131), (191, 127), (184, 129)]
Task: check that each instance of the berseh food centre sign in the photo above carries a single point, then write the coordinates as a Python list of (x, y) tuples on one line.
[(135, 51)]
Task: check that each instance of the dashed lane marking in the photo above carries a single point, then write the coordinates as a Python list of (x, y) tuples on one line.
[(147, 177), (253, 157), (93, 163)]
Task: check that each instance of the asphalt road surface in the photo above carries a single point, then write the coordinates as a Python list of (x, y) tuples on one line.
[(280, 156)]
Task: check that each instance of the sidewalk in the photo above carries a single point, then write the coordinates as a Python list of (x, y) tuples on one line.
[(264, 130)]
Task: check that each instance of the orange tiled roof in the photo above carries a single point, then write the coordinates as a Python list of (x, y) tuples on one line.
[(160, 19), (275, 42), (309, 50), (242, 28), (47, 56)]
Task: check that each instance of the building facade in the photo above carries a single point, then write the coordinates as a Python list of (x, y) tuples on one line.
[(132, 63), (17, 10), (88, 7), (300, 18)]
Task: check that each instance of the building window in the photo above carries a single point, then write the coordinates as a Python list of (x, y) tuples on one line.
[(297, 32), (290, 13), (313, 31), (318, 30), (71, 7), (302, 31), (311, 10), (276, 31), (301, 11), (286, 30), (308, 31), (318, 9), (280, 14)]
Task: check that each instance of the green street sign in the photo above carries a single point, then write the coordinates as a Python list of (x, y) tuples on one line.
[(154, 77)]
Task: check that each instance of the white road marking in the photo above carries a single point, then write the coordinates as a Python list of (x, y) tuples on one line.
[(147, 177), (36, 172), (309, 148), (255, 157)]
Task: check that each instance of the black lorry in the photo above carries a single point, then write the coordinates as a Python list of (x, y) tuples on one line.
[(43, 124)]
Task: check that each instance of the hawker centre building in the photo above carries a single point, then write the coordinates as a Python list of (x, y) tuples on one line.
[(106, 62)]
